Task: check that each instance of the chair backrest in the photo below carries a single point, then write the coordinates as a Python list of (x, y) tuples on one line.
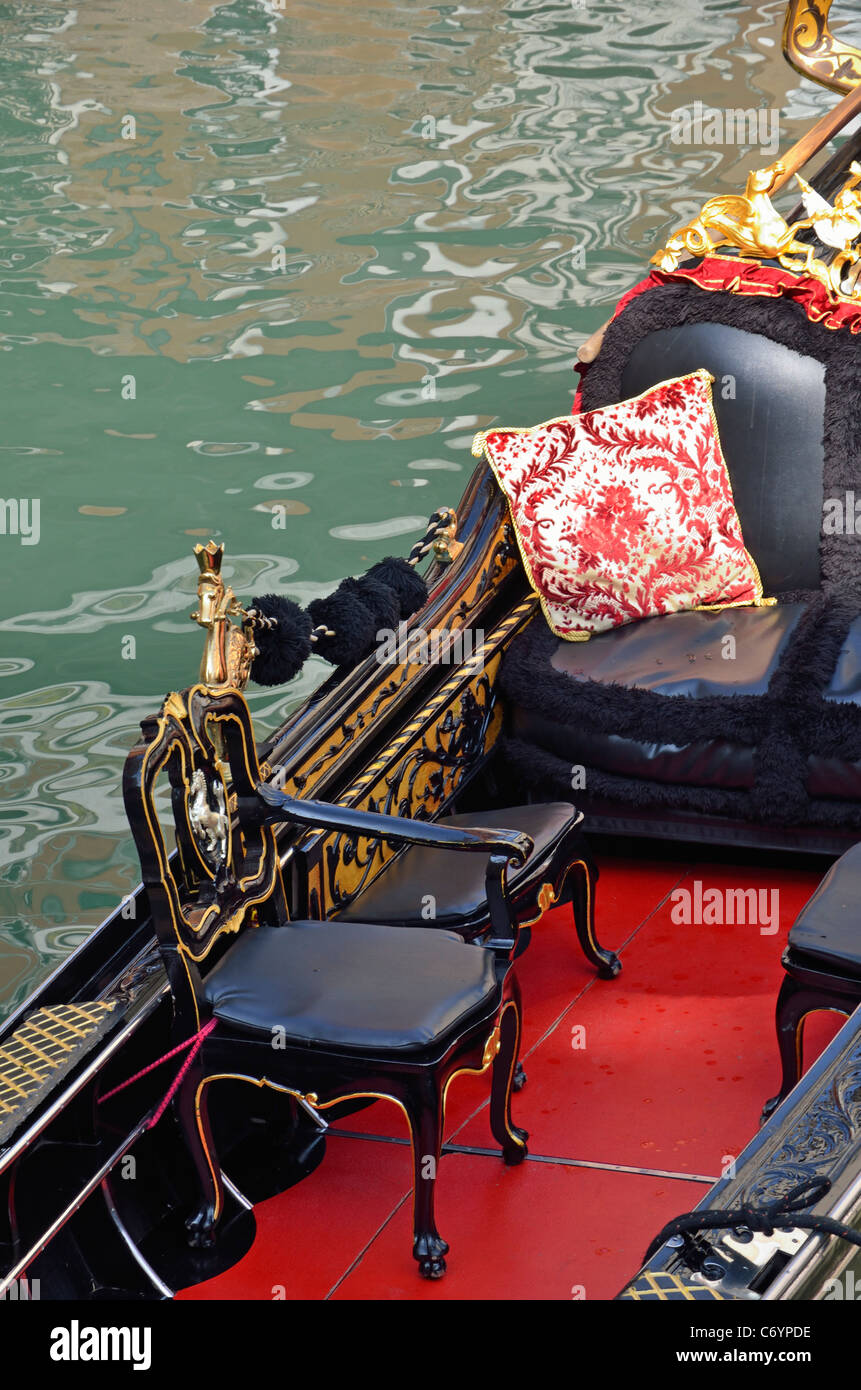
[(784, 395), (201, 746)]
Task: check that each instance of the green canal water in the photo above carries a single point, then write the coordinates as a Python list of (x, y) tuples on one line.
[(253, 253)]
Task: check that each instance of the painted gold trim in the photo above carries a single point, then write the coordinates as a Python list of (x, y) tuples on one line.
[(812, 50), (663, 1293), (491, 1049), (552, 896), (175, 736)]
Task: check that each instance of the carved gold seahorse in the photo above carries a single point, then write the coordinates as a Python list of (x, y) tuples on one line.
[(747, 221), (229, 651)]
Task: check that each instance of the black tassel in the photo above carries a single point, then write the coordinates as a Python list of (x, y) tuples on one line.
[(282, 649), (409, 588), (352, 624), (380, 602)]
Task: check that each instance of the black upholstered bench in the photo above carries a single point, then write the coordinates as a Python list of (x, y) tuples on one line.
[(822, 961), (744, 725)]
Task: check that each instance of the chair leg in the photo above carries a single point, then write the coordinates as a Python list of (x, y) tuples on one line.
[(794, 1002), (607, 963), (424, 1108), (193, 1115), (511, 1140)]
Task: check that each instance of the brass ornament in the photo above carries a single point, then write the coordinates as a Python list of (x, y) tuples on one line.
[(750, 224), (492, 1046), (229, 650), (546, 897), (445, 548)]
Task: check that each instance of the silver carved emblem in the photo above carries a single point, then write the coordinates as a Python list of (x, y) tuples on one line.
[(210, 825)]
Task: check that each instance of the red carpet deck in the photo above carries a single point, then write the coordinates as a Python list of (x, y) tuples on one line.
[(640, 1090)]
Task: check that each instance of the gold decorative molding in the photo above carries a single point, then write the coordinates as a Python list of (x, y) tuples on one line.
[(358, 722), (750, 224), (418, 773), (810, 47)]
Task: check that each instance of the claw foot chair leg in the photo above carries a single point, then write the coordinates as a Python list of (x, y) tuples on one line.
[(794, 1002), (424, 1107), (511, 1140), (606, 963), (193, 1115)]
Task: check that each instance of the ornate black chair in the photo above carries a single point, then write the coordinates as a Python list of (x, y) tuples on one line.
[(422, 887), (322, 1011), (822, 961)]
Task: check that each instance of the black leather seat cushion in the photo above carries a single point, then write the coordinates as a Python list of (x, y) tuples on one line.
[(680, 656), (456, 878), (683, 653), (359, 985), (829, 925), (844, 686)]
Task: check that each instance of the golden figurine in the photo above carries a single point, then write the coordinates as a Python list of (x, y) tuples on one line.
[(750, 224), (837, 226), (229, 650)]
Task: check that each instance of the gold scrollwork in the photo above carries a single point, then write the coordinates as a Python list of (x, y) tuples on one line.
[(810, 47)]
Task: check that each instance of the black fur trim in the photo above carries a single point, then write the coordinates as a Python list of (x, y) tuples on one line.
[(528, 679), (544, 774), (282, 650), (537, 769), (409, 588)]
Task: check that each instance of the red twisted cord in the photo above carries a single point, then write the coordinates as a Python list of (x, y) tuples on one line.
[(195, 1042)]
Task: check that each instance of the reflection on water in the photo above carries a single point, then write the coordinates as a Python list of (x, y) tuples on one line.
[(251, 255)]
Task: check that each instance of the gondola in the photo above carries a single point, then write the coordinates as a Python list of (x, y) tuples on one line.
[(453, 788)]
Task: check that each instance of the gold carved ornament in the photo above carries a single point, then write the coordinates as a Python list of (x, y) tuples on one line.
[(750, 224), (810, 47), (229, 650)]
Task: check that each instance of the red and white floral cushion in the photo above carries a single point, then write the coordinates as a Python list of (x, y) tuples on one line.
[(626, 512)]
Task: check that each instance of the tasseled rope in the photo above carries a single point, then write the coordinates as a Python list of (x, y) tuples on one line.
[(438, 522), (341, 628)]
